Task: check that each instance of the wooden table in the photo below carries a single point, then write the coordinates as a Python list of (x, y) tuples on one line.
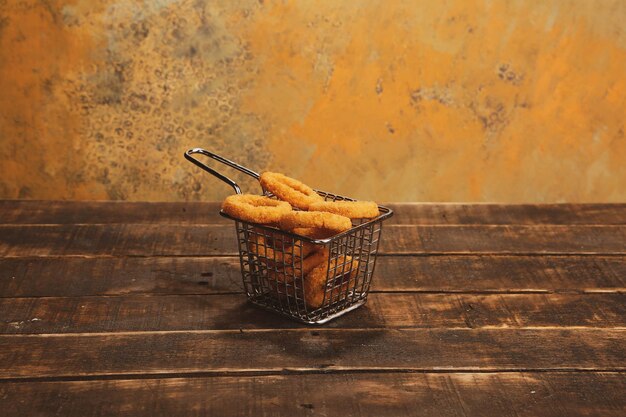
[(136, 309)]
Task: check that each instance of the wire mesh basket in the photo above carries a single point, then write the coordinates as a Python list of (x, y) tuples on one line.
[(309, 280)]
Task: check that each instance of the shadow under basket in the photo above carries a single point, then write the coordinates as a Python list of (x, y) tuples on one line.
[(309, 280)]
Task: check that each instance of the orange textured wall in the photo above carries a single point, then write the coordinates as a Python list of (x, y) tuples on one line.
[(461, 100)]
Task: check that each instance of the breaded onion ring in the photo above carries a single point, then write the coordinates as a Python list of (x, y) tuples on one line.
[(317, 219), (282, 280), (308, 264), (315, 282), (255, 208), (351, 209), (271, 252), (314, 259), (288, 189)]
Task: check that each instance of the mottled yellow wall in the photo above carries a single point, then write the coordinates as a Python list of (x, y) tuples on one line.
[(391, 100)]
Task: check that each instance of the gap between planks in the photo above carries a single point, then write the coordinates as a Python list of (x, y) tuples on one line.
[(386, 226), (298, 371), (424, 292), (379, 255), (311, 329)]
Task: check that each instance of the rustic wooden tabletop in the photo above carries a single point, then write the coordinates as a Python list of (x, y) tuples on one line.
[(136, 309)]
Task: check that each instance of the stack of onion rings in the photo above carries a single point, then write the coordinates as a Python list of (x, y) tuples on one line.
[(283, 259), (290, 190), (255, 208)]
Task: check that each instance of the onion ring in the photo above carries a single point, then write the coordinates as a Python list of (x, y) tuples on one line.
[(255, 208), (270, 251), (284, 278), (289, 189), (351, 209), (315, 282), (308, 264), (317, 219)]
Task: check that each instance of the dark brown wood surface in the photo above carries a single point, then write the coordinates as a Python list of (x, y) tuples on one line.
[(53, 315), (502, 394), (94, 275), (215, 240), (304, 350), (117, 308)]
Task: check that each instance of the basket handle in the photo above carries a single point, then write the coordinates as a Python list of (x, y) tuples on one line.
[(225, 161)]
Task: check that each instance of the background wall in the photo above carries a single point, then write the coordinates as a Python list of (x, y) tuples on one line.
[(463, 100)]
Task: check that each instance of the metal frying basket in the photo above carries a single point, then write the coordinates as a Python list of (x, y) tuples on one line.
[(276, 265)]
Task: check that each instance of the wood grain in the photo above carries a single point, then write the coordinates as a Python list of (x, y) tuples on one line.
[(117, 239), (423, 394), (169, 240), (195, 213), (109, 212), (238, 351), (512, 214), (35, 277), (26, 277), (504, 239), (383, 310)]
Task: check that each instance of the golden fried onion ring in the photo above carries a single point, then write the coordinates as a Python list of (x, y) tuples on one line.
[(351, 209), (315, 219), (289, 189), (272, 252), (282, 280), (255, 208), (315, 282)]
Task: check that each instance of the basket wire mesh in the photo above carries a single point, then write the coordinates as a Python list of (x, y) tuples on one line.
[(306, 279)]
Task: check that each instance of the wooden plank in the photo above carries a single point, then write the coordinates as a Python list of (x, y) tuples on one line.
[(425, 394), (500, 273), (109, 212), (505, 239), (503, 214), (117, 239), (170, 240), (383, 310), (35, 277), (190, 213), (311, 349)]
